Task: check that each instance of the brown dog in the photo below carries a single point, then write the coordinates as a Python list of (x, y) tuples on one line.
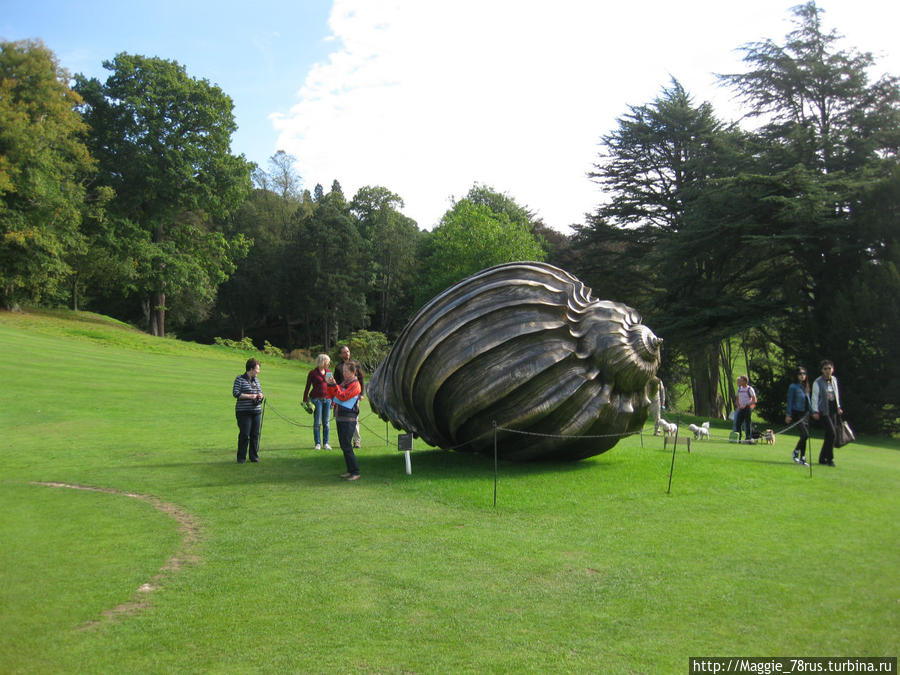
[(770, 437)]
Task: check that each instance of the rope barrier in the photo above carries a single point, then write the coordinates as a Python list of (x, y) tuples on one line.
[(377, 434), (361, 419), (386, 439), (774, 433), (287, 419), (496, 430)]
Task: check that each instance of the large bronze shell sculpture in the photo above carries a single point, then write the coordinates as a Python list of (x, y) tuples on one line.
[(523, 346)]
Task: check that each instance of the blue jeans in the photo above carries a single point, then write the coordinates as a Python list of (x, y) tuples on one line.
[(321, 416), (742, 421)]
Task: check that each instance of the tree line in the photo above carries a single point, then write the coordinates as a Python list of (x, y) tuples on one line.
[(772, 243), (780, 242)]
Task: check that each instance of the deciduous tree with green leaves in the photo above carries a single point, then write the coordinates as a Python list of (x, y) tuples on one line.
[(162, 139), (483, 229), (44, 165)]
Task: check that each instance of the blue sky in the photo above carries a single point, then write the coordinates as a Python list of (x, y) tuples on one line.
[(258, 54), (428, 97)]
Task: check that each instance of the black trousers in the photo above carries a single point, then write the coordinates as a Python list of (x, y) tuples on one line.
[(803, 429), (829, 424), (249, 424), (345, 431)]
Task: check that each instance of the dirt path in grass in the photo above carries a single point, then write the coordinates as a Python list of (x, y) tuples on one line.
[(189, 528)]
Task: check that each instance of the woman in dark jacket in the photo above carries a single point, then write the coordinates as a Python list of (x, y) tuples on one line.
[(798, 406)]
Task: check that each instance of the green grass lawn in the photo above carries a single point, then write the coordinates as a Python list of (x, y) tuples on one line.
[(581, 567)]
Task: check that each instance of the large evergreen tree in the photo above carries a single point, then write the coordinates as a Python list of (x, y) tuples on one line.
[(392, 241), (256, 296), (329, 271), (830, 138), (654, 244)]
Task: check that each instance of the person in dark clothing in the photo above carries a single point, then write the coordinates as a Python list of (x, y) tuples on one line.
[(248, 411), (346, 406), (826, 407), (798, 406), (344, 353)]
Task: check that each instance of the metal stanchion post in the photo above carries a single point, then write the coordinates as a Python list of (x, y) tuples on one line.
[(495, 463)]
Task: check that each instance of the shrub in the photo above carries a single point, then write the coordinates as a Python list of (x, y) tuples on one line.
[(272, 350), (300, 355), (244, 345), (366, 346)]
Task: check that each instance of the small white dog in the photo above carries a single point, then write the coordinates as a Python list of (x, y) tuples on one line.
[(669, 428), (701, 431)]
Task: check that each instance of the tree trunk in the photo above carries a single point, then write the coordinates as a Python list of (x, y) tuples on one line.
[(158, 298), (746, 355), (288, 333), (307, 324), (75, 293), (704, 370), (726, 386), (158, 314)]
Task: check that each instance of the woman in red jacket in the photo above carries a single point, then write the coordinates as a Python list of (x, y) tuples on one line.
[(317, 389), (346, 413)]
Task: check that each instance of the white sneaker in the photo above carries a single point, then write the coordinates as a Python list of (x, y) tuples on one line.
[(319, 447), (327, 447)]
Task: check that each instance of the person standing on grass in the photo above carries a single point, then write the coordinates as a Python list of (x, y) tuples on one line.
[(317, 388), (248, 411), (744, 403), (346, 406), (344, 353), (798, 406), (826, 406), (657, 403)]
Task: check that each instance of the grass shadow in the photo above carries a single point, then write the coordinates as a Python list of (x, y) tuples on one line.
[(320, 468)]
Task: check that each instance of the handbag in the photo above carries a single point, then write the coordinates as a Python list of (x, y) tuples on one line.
[(843, 434)]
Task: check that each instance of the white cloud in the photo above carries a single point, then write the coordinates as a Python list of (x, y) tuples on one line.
[(427, 98)]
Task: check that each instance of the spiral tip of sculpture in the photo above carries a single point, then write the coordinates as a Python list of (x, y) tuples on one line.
[(647, 345)]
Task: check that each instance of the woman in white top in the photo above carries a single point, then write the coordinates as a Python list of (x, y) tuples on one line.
[(826, 406), (744, 403)]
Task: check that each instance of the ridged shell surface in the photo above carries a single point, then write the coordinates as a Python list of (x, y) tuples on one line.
[(522, 346)]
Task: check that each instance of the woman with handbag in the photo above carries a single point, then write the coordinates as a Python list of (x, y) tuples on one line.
[(826, 406)]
